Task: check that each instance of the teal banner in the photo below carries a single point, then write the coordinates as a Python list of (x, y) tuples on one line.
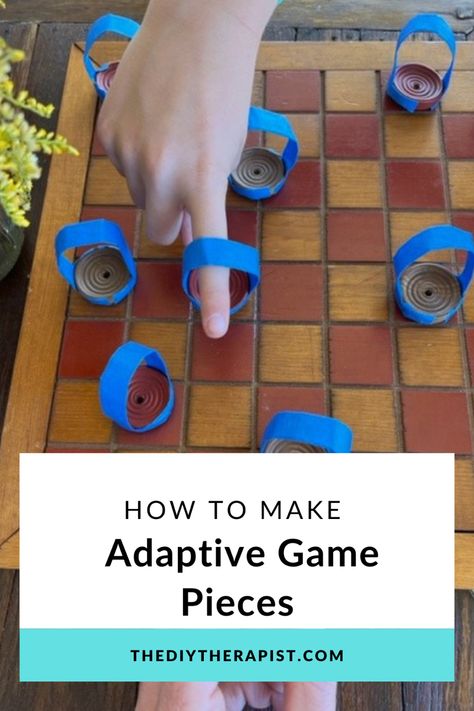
[(236, 655)]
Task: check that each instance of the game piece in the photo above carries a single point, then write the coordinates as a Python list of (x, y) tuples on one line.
[(304, 432), (419, 87), (135, 388), (432, 293), (262, 172), (242, 260), (104, 274), (102, 76)]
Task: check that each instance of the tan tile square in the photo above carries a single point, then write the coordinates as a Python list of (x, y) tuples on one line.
[(358, 293), (464, 495), (461, 181), (291, 235), (412, 136), (167, 338), (354, 183), (150, 250), (430, 356), (404, 225), (220, 416), (306, 127), (460, 96), (105, 185), (290, 354), (257, 91), (371, 415), (78, 306), (77, 416), (468, 307), (350, 91)]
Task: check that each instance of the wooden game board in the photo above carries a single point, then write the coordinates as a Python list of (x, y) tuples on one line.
[(323, 333)]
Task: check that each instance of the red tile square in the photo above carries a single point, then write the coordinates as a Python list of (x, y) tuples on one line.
[(302, 189), (459, 135), (295, 90), (242, 226), (436, 422), (352, 136), (168, 435), (87, 346), (273, 399), (415, 184), (356, 236), (125, 217), (470, 350), (158, 293), (291, 292), (361, 355), (230, 358)]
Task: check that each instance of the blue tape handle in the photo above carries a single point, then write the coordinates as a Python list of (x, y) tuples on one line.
[(430, 240), (218, 252), (271, 122), (107, 23), (422, 23), (87, 234), (318, 430), (115, 380)]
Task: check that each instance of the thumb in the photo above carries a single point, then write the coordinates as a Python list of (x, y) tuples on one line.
[(209, 219), (310, 696)]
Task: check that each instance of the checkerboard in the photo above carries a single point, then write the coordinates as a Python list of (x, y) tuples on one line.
[(322, 334)]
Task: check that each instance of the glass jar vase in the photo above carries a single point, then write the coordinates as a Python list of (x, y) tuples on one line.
[(11, 242)]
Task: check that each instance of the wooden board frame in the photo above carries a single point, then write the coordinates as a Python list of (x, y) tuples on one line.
[(32, 387)]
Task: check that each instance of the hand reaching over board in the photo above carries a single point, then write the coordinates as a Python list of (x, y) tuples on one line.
[(174, 123)]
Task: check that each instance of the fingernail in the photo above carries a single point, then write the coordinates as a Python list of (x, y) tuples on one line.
[(215, 326)]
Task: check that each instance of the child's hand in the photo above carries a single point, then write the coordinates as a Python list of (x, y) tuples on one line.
[(174, 122), (234, 697)]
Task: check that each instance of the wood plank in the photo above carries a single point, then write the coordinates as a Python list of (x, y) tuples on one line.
[(44, 697), (27, 419), (464, 561), (362, 697), (464, 495), (328, 55), (457, 696), (370, 14)]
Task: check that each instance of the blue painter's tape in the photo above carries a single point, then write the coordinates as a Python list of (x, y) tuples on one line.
[(116, 380), (430, 240), (107, 23), (422, 23), (322, 432), (218, 252), (269, 122), (98, 234)]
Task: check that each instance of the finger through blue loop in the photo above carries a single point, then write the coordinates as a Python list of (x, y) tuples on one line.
[(305, 432), (241, 259), (418, 87), (262, 172), (135, 389), (102, 76), (105, 273), (431, 293)]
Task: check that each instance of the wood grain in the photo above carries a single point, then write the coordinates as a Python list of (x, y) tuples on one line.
[(464, 495), (329, 55), (369, 14), (31, 390), (464, 561)]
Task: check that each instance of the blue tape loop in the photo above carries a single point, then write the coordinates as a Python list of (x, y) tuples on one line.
[(270, 122), (96, 234), (430, 240), (218, 252), (303, 427), (107, 23), (434, 24), (116, 379)]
